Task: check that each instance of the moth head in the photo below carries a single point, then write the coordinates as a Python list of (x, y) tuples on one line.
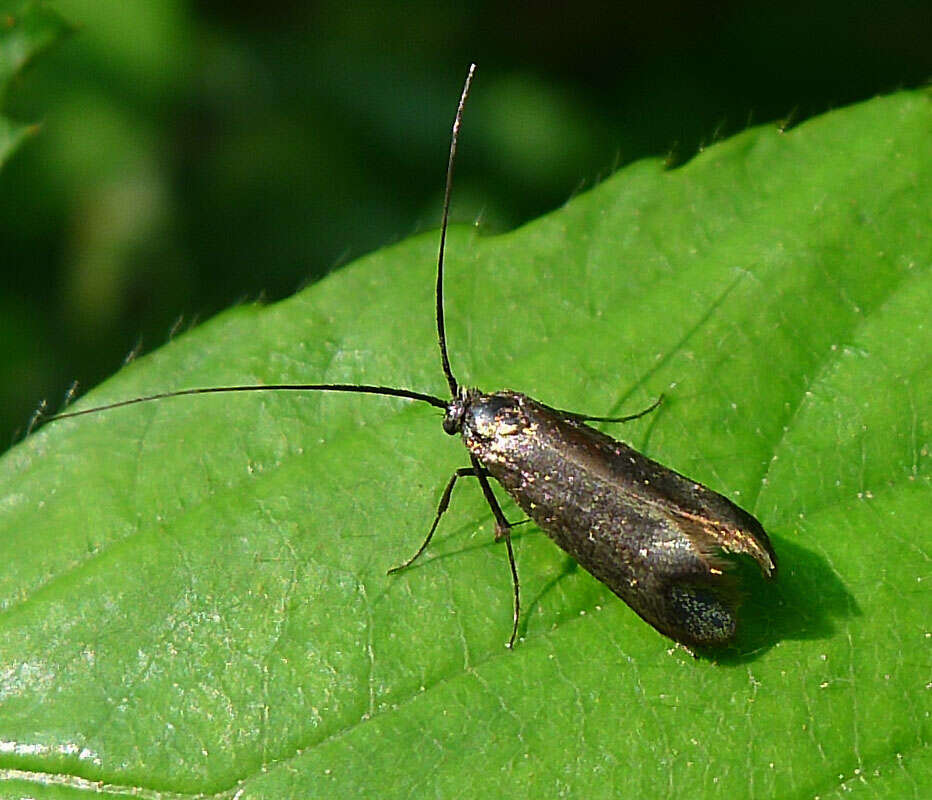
[(457, 409)]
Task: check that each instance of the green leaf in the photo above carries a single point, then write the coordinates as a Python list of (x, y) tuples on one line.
[(194, 597), (26, 29)]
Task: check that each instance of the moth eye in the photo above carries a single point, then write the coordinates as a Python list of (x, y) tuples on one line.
[(704, 614)]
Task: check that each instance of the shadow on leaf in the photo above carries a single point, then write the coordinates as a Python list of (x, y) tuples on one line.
[(802, 603)]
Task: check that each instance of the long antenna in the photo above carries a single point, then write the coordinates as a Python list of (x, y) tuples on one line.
[(270, 387), (339, 387), (441, 328)]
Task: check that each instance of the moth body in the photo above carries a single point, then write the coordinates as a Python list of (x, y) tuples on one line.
[(653, 536)]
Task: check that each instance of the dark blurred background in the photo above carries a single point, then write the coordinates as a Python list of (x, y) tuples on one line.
[(198, 154)]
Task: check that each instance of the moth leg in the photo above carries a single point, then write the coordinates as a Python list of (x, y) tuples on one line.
[(462, 472), (628, 418), (502, 531)]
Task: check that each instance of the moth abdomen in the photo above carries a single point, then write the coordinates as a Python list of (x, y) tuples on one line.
[(700, 613)]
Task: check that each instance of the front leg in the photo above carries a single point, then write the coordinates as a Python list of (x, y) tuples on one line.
[(462, 472), (502, 531)]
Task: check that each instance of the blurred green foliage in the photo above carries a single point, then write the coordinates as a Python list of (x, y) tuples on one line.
[(194, 154)]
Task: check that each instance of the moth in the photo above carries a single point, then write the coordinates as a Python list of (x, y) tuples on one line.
[(653, 536)]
